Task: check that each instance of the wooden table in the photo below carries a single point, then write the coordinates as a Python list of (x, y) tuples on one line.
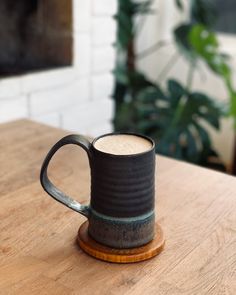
[(38, 253)]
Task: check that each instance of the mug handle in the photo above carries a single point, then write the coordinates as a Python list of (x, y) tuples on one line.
[(50, 188)]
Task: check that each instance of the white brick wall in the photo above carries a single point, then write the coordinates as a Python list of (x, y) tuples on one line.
[(52, 119), (13, 108), (88, 116), (10, 87), (103, 31), (102, 86), (55, 99), (103, 59), (47, 79), (82, 15), (104, 7), (77, 98), (82, 54)]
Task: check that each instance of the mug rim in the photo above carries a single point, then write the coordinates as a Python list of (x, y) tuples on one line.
[(124, 133)]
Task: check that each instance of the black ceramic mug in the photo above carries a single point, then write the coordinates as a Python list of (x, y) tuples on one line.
[(121, 211)]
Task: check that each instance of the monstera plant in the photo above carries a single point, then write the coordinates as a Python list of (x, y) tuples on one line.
[(175, 117)]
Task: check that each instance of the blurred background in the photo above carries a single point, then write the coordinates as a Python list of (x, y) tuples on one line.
[(56, 61), (164, 68)]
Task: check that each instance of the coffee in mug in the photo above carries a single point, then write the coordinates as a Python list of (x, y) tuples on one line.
[(123, 144)]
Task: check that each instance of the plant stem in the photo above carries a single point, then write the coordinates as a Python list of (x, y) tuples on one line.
[(131, 57), (174, 58), (138, 28), (190, 77), (158, 45)]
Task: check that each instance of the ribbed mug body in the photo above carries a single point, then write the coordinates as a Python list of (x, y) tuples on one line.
[(122, 198)]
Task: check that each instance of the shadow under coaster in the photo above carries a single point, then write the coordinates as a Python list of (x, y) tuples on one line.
[(105, 253)]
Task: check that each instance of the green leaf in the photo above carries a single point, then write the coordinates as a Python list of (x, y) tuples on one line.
[(176, 91), (120, 91), (213, 121), (139, 81), (181, 35), (203, 136), (206, 150), (205, 44), (151, 94), (205, 107), (147, 126), (144, 111), (202, 100), (124, 118), (233, 104), (144, 125), (203, 41)]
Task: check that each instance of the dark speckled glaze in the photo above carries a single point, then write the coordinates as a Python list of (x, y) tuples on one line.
[(121, 211)]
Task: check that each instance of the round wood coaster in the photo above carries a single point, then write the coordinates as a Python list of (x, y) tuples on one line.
[(105, 253)]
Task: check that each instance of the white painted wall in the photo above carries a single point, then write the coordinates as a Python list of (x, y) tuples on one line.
[(77, 98), (159, 27)]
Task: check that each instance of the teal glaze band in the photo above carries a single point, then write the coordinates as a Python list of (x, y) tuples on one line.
[(122, 219)]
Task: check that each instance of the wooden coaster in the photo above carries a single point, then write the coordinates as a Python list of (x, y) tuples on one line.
[(105, 253)]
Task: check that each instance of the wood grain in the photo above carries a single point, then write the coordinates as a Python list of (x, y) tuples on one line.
[(38, 251)]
